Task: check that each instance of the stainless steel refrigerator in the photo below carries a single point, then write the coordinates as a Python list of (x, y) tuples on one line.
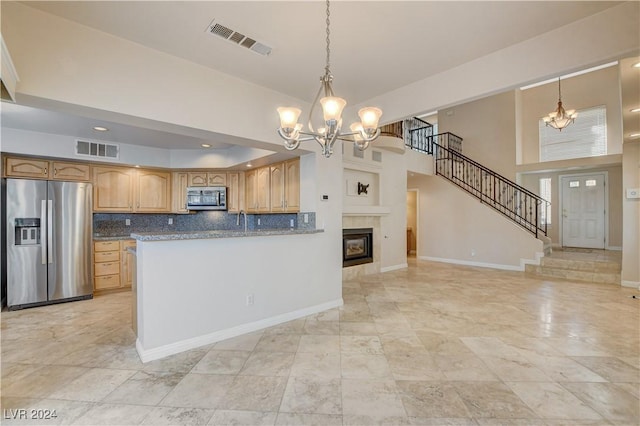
[(47, 242)]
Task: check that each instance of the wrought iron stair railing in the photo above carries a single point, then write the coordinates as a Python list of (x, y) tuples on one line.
[(503, 195)]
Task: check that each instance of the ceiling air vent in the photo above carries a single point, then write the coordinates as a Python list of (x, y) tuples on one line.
[(238, 38), (97, 149)]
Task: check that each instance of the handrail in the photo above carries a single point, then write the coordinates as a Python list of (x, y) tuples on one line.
[(498, 192)]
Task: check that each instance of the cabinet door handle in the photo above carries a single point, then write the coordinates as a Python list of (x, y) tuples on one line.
[(45, 171), (55, 172)]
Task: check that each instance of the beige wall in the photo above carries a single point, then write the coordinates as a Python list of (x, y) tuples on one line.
[(600, 87), (488, 128), (455, 227), (614, 185), (631, 215), (412, 198)]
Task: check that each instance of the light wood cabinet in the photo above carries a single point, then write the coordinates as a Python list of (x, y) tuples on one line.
[(34, 168), (26, 167), (113, 264), (106, 266), (120, 189), (70, 171), (292, 186), (277, 186), (205, 178), (235, 192), (113, 189), (127, 262), (217, 179), (274, 188), (250, 191), (263, 189), (152, 191), (179, 192), (197, 179)]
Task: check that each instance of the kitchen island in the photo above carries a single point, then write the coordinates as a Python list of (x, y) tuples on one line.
[(197, 288)]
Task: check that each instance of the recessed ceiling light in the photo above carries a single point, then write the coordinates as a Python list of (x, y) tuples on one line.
[(635, 110), (249, 165), (634, 135), (636, 65), (138, 165), (100, 129), (205, 145)]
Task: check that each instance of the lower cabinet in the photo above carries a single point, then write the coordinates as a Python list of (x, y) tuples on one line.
[(112, 264)]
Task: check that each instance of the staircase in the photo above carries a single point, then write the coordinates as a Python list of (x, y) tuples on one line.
[(511, 200), (501, 194), (594, 266)]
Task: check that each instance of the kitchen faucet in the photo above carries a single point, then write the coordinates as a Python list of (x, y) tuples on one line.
[(245, 219)]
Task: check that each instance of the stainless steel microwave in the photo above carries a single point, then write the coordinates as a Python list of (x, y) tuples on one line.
[(207, 198)]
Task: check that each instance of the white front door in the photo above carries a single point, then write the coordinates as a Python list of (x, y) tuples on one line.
[(583, 211)]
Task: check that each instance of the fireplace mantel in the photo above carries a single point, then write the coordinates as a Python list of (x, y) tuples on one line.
[(365, 210)]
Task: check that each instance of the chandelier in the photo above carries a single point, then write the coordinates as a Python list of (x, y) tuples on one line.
[(361, 133), (559, 119)]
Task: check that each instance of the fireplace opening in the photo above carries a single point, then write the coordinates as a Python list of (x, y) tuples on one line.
[(357, 246)]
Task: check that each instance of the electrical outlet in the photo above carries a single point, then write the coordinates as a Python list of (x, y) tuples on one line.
[(258, 221), (127, 222), (473, 252), (249, 299), (170, 221), (291, 223), (306, 218)]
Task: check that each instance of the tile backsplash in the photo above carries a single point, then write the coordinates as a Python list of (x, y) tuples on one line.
[(115, 224)]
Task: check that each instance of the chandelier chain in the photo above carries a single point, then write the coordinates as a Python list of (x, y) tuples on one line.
[(326, 68), (559, 91)]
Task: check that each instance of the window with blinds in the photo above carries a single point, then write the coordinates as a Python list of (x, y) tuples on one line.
[(586, 137)]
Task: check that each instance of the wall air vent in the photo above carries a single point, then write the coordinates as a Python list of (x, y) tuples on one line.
[(240, 39), (97, 149)]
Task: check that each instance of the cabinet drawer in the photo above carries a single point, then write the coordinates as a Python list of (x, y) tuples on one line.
[(106, 281), (125, 244), (106, 245), (106, 256), (107, 268)]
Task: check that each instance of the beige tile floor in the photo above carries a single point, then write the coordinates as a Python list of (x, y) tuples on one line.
[(431, 345)]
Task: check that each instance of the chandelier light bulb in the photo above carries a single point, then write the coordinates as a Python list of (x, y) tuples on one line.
[(370, 117), (288, 117), (332, 107)]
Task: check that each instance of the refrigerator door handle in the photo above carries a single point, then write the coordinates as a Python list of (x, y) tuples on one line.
[(43, 221), (49, 230)]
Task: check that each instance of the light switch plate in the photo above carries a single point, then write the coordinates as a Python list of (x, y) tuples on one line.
[(633, 192)]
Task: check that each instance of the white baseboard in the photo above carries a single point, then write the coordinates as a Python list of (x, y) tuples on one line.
[(471, 263), (536, 261), (614, 248), (632, 284), (147, 355), (394, 267)]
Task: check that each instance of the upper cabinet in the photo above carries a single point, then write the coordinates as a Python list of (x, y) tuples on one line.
[(70, 171), (42, 169), (207, 179), (235, 192), (274, 188), (112, 189), (119, 189), (179, 192), (292, 186), (153, 191), (26, 167)]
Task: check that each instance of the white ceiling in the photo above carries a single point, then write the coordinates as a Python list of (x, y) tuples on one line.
[(376, 47), (369, 39)]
